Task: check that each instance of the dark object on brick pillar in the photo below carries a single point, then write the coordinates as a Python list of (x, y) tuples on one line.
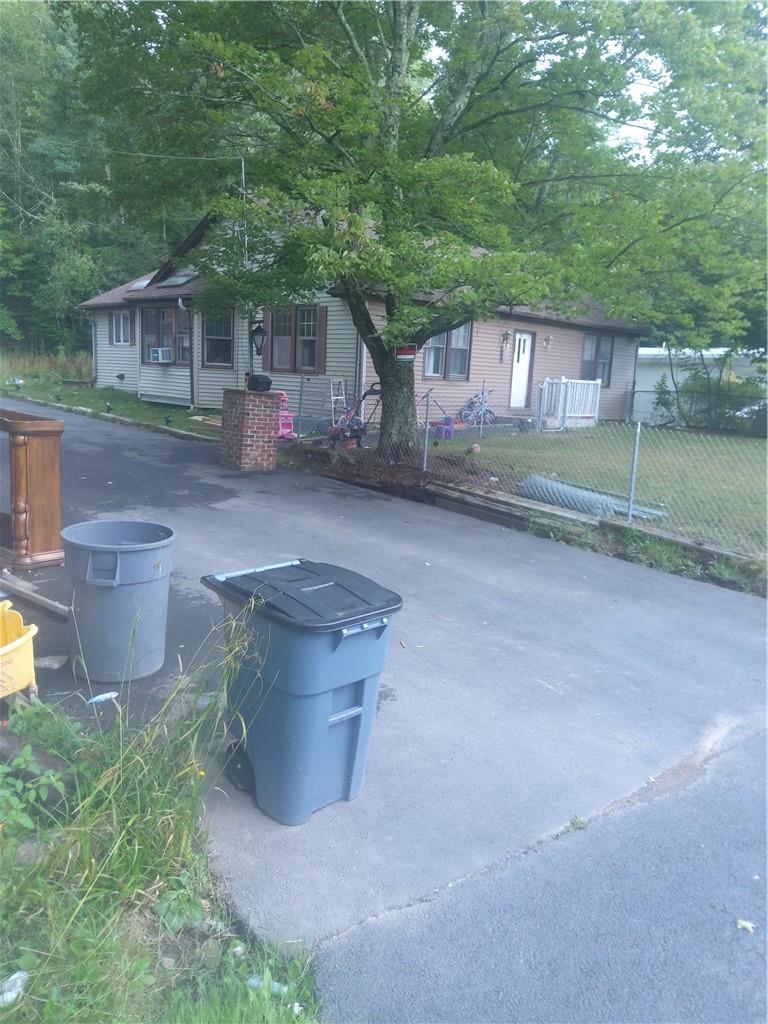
[(249, 426)]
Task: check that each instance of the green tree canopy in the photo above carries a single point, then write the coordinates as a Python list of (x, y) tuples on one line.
[(451, 157), (63, 233)]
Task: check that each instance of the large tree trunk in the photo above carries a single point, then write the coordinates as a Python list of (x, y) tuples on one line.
[(397, 432)]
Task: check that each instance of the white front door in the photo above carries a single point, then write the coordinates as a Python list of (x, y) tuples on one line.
[(521, 364)]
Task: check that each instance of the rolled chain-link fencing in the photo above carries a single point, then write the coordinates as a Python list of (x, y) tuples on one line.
[(702, 486)]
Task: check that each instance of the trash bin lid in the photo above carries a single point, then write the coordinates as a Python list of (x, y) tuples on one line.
[(315, 596)]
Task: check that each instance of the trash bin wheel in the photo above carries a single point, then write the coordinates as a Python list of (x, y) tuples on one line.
[(238, 768)]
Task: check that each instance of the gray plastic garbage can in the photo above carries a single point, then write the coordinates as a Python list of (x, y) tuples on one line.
[(119, 571), (302, 706)]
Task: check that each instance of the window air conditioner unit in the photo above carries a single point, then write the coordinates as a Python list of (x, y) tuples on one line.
[(160, 355)]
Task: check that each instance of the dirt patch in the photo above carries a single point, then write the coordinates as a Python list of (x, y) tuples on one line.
[(366, 467)]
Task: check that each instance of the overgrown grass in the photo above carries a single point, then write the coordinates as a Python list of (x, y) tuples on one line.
[(57, 365), (712, 486), (107, 900), (748, 575), (42, 378)]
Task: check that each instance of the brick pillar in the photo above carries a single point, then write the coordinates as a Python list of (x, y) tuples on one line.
[(249, 425)]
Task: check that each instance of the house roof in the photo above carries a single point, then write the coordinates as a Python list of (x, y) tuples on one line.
[(593, 318), (127, 294), (158, 285)]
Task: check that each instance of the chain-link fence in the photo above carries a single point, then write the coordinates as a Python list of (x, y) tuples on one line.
[(317, 403), (702, 486), (716, 410)]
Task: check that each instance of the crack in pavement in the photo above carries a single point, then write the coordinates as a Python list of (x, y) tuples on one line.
[(683, 774), (726, 733)]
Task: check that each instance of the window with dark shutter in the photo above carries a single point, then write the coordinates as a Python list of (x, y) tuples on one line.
[(183, 336), (596, 358), (165, 329), (296, 339)]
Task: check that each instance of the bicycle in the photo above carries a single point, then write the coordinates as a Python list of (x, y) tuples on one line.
[(477, 410)]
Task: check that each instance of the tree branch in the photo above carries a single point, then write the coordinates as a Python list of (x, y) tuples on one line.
[(338, 10), (683, 220)]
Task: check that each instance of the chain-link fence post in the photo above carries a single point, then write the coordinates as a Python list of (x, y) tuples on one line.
[(425, 453), (633, 472), (482, 408), (301, 403)]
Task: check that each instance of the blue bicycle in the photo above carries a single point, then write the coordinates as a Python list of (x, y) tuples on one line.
[(477, 410)]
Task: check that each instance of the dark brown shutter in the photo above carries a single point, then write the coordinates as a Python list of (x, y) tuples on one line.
[(322, 325), (266, 352), (111, 323), (133, 327), (294, 319)]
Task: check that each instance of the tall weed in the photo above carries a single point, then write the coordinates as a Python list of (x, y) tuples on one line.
[(93, 908)]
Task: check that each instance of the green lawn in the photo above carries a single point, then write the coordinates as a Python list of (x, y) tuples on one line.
[(41, 381), (712, 486)]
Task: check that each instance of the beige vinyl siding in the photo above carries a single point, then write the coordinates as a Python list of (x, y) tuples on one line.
[(484, 364), (557, 353), (616, 401), (113, 359), (562, 358), (448, 396)]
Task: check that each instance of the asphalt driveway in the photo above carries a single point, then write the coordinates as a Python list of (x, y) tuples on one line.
[(528, 684)]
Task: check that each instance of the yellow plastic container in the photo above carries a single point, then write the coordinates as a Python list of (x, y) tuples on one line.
[(17, 656)]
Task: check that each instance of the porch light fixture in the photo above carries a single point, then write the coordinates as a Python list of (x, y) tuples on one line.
[(547, 341), (505, 339), (257, 336)]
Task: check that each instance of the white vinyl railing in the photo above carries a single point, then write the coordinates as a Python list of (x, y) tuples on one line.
[(561, 400)]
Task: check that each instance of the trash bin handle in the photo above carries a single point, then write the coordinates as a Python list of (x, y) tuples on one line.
[(363, 627), (344, 716), (101, 581)]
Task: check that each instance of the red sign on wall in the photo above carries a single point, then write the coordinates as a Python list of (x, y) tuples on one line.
[(405, 354)]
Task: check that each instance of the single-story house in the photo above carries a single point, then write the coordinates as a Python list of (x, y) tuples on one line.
[(148, 338)]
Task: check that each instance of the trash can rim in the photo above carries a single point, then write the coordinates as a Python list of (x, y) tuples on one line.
[(393, 603), (130, 546)]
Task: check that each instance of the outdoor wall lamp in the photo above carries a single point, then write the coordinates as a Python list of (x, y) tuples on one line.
[(547, 341), (505, 339), (258, 336)]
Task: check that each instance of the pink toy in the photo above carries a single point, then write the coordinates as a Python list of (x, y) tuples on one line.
[(285, 421)]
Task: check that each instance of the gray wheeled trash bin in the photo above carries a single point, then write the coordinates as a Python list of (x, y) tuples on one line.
[(119, 571), (302, 706)]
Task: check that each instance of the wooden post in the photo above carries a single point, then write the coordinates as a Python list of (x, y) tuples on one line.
[(30, 531)]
